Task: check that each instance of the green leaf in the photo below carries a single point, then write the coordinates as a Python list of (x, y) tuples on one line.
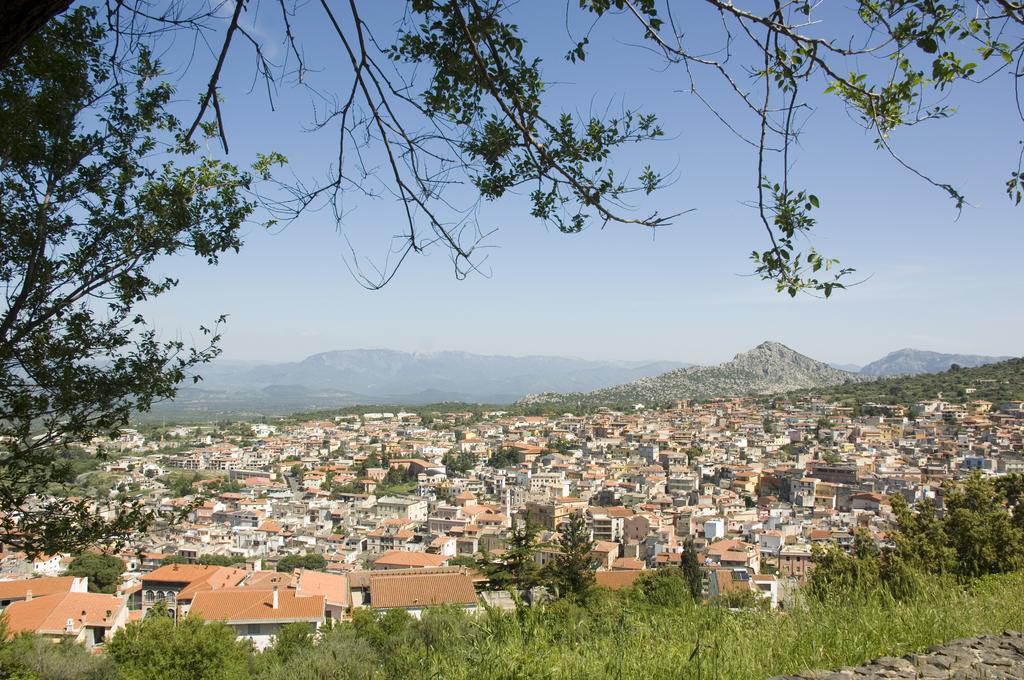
[(928, 44)]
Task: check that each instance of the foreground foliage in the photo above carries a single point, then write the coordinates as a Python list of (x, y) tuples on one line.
[(628, 634), (97, 184)]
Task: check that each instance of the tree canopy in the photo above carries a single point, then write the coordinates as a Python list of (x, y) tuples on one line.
[(190, 649), (103, 571), (97, 181), (456, 94), (572, 570), (312, 561)]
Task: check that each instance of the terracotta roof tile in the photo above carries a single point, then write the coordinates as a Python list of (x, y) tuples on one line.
[(12, 590), (334, 587), (50, 614), (616, 580), (402, 558), (240, 605), (413, 590)]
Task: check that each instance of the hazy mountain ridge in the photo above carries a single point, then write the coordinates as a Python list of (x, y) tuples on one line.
[(769, 368), (384, 376), (911, 361)]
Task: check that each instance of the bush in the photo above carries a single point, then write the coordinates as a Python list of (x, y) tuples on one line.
[(29, 656), (664, 587), (191, 650)]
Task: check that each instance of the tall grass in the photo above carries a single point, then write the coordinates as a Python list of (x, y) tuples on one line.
[(621, 637), (614, 635)]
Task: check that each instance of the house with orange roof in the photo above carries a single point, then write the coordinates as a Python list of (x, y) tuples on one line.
[(734, 553), (333, 588), (85, 618), (416, 590), (617, 580), (258, 615), (177, 584), (401, 559), (628, 564), (25, 589)]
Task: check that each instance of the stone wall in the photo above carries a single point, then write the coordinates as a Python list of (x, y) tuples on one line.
[(987, 657)]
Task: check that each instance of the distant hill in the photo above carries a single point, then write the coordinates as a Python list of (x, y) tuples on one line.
[(383, 376), (849, 368), (769, 368), (915, 361), (999, 383)]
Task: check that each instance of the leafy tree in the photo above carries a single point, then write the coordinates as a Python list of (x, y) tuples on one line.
[(292, 638), (103, 571), (664, 587), (311, 561), (517, 566), (1012, 488), (219, 560), (182, 483), (503, 457), (920, 538), (572, 570), (340, 654), (459, 464), (693, 574), (156, 647), (33, 657), (838, 575), (463, 70), (96, 182), (463, 561), (981, 531), (159, 609), (977, 535)]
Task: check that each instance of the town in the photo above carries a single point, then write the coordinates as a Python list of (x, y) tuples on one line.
[(312, 520)]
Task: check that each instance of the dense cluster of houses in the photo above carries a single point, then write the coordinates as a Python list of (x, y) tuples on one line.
[(751, 486)]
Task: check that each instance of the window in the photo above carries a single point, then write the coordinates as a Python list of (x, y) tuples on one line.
[(252, 629)]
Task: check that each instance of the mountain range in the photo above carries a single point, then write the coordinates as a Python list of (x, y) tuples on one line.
[(382, 376), (916, 361), (769, 368)]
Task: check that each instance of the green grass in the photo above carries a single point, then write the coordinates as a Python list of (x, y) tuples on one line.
[(615, 638)]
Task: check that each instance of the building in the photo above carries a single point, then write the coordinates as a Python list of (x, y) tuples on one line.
[(258, 614), (415, 590), (86, 618)]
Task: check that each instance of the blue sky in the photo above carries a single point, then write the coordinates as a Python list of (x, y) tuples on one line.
[(933, 281)]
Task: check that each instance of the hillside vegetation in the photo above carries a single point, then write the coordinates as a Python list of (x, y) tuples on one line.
[(998, 383), (628, 634), (769, 368)]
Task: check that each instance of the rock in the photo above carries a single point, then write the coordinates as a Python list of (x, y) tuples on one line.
[(986, 657)]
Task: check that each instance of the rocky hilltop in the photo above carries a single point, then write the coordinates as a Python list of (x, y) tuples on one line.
[(769, 368)]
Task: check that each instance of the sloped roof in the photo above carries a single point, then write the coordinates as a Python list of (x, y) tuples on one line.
[(264, 580), (334, 587), (402, 558), (50, 614), (195, 577), (616, 580), (414, 590), (12, 590), (628, 564), (241, 605)]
